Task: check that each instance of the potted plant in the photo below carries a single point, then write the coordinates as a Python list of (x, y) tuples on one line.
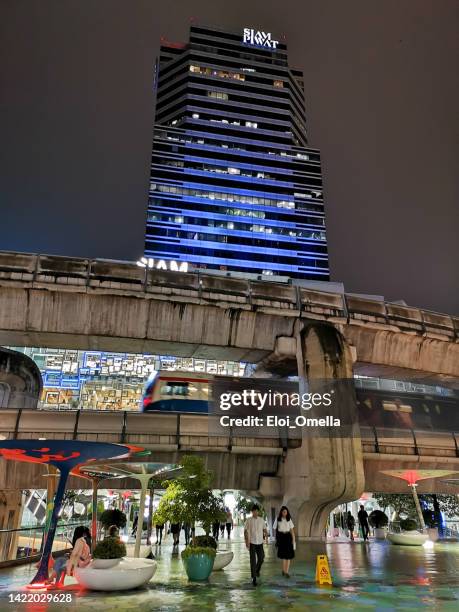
[(190, 499), (112, 516), (206, 541), (198, 561), (409, 536), (378, 520), (108, 553), (408, 524)]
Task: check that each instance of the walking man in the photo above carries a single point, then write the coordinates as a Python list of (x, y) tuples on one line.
[(255, 533), (362, 515)]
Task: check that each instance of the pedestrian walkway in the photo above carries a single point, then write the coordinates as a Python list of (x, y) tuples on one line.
[(368, 576)]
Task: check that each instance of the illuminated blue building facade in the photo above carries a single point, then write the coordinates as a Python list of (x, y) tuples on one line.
[(234, 185)]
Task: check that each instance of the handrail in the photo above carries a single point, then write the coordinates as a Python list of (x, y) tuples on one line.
[(42, 527)]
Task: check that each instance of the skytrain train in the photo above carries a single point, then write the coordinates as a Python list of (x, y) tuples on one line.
[(378, 404)]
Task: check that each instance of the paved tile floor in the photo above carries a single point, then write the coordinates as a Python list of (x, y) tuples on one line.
[(373, 576)]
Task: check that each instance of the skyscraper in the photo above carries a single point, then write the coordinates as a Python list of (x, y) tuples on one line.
[(234, 185)]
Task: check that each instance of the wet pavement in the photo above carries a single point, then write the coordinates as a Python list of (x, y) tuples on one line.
[(373, 576)]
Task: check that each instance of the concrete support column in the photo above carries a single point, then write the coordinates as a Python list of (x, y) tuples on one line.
[(271, 492), (325, 471)]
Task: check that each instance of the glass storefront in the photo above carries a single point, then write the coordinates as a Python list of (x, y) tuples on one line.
[(99, 380)]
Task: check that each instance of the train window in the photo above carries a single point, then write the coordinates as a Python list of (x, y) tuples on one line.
[(175, 388), (205, 390), (192, 391), (396, 407)]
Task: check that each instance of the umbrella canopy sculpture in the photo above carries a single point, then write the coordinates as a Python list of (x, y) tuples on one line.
[(65, 455), (96, 477), (412, 477), (144, 473)]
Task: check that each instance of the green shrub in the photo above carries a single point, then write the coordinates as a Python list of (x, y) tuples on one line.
[(112, 517), (198, 550), (205, 541), (109, 548), (408, 524), (378, 519)]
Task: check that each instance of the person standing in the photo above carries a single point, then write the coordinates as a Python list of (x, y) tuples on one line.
[(175, 531), (134, 524), (255, 533), (350, 524), (159, 532), (187, 530), (229, 522), (285, 539), (362, 515), (216, 529)]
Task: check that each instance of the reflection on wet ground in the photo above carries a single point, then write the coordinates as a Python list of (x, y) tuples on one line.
[(373, 576)]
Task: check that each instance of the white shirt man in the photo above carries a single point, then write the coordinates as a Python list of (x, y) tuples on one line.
[(255, 533)]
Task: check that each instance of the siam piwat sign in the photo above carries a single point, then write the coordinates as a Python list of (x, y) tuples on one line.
[(260, 39)]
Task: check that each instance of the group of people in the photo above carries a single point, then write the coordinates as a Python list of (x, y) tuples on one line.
[(255, 533), (218, 527), (174, 529), (362, 516), (80, 555)]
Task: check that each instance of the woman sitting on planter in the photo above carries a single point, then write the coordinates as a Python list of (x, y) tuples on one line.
[(79, 557)]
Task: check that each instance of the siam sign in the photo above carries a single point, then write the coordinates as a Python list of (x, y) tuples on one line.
[(163, 264), (261, 39)]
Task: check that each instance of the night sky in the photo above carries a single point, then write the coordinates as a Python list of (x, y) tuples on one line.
[(382, 100)]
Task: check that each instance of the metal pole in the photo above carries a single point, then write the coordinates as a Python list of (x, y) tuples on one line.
[(418, 506), (42, 573), (143, 496), (95, 484), (150, 515)]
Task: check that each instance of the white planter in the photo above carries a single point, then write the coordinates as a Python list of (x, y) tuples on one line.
[(104, 563), (433, 533), (222, 559), (380, 533), (408, 538), (128, 574)]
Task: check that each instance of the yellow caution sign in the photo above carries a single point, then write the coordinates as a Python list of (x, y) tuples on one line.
[(323, 574)]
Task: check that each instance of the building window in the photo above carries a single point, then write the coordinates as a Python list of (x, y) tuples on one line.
[(218, 94), (278, 83), (251, 124), (234, 171), (195, 115)]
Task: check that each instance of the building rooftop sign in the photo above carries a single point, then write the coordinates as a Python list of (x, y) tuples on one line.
[(261, 39), (163, 264)]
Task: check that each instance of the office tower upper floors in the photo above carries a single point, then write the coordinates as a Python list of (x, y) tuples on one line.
[(234, 184)]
